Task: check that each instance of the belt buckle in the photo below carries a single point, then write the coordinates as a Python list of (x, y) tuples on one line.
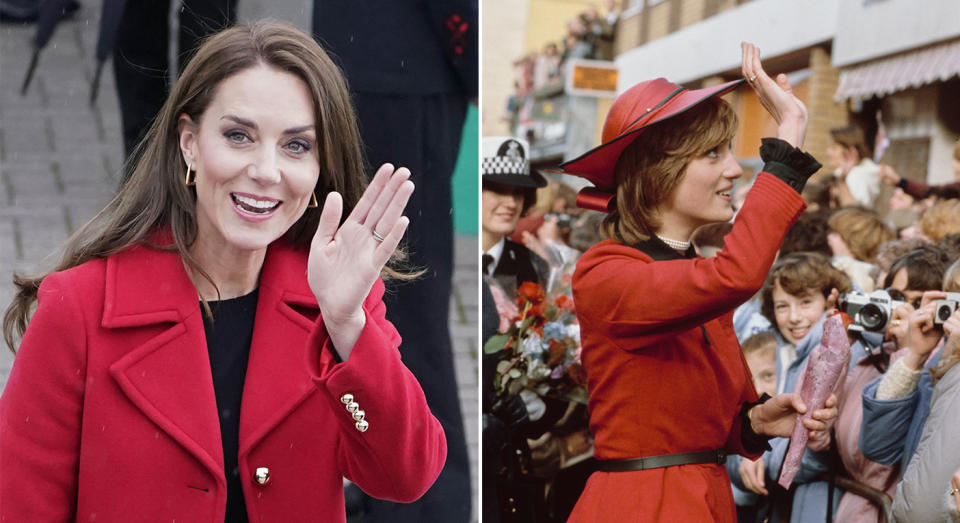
[(721, 457)]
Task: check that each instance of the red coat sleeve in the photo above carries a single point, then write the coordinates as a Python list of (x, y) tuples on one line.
[(404, 448), (41, 410), (640, 303)]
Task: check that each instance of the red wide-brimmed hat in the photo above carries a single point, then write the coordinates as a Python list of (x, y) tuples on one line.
[(635, 110)]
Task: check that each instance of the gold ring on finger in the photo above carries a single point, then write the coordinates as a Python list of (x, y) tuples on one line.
[(752, 79), (895, 323)]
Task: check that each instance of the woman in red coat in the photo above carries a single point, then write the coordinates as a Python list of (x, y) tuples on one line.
[(670, 392), (213, 346)]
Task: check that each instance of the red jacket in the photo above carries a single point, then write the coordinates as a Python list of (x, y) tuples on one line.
[(664, 369), (109, 413)]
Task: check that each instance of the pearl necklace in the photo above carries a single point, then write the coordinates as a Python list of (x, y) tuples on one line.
[(675, 244)]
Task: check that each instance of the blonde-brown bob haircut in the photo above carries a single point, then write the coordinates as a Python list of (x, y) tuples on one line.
[(851, 137), (862, 230), (155, 196), (650, 168), (799, 274), (941, 219)]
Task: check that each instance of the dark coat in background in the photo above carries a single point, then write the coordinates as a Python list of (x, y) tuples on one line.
[(412, 68)]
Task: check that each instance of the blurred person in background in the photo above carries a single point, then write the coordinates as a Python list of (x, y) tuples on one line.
[(855, 236), (141, 65), (214, 341), (412, 91), (940, 220), (858, 178), (920, 190)]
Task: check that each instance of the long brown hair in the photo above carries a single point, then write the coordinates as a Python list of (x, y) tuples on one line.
[(155, 195)]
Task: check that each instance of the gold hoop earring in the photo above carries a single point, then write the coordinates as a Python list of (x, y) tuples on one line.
[(313, 201), (189, 180)]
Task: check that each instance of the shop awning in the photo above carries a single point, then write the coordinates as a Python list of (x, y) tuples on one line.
[(895, 73)]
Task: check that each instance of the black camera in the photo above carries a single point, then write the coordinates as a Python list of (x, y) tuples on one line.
[(945, 308), (870, 311), (563, 219)]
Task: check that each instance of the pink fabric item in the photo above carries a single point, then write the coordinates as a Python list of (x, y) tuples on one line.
[(853, 508), (826, 367)]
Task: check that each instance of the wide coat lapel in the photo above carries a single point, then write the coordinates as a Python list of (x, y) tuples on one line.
[(167, 376), (277, 380)]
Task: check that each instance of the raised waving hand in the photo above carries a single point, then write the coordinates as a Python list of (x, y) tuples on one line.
[(345, 260), (776, 96)]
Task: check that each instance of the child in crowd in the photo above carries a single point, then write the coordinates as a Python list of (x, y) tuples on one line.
[(760, 351), (798, 291)]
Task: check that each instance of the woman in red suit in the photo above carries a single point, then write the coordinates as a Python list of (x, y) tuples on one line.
[(670, 392), (213, 346)]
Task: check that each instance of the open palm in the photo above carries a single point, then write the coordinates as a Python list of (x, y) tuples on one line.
[(345, 260)]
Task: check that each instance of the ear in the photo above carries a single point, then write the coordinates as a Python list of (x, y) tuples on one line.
[(188, 131)]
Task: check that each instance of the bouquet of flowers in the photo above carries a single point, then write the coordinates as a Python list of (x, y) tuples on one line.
[(539, 349)]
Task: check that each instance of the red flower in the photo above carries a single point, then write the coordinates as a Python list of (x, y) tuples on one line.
[(530, 292), (564, 302)]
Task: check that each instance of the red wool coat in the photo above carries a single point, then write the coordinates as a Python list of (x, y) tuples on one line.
[(664, 369), (109, 414)]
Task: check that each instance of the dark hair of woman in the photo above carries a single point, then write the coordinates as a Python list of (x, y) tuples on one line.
[(155, 196)]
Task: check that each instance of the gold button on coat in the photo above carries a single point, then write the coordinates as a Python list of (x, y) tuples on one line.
[(346, 398), (358, 415), (362, 425), (262, 475), (353, 406)]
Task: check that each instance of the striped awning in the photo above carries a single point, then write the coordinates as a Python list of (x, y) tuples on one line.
[(895, 73)]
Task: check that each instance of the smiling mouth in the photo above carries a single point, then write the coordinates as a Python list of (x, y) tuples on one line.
[(253, 205), (799, 333)]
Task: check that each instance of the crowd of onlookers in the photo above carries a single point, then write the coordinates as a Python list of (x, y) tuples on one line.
[(589, 35), (890, 448)]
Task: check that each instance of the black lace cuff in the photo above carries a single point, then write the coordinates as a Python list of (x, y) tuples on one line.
[(752, 442), (788, 163)]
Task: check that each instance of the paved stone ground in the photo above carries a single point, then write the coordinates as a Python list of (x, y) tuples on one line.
[(60, 158)]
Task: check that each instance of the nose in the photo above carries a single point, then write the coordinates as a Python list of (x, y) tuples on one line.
[(732, 169), (794, 314), (265, 168)]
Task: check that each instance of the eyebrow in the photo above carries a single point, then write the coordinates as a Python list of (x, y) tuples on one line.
[(252, 125)]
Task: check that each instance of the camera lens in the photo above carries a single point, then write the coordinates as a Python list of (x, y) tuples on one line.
[(943, 312), (872, 317)]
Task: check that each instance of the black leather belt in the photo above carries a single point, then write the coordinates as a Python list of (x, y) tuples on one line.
[(718, 457)]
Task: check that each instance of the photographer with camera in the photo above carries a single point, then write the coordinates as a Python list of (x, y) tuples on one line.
[(878, 312), (896, 405), (930, 489)]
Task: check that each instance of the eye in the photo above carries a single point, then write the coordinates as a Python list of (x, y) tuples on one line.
[(713, 154), (298, 146), (236, 136)]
